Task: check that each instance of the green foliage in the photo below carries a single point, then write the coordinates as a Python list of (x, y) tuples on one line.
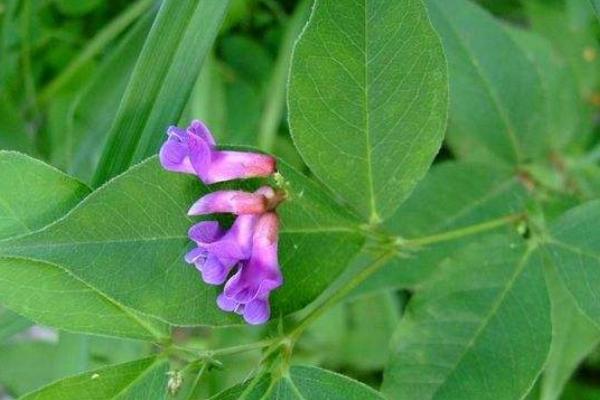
[(33, 194), (408, 274), (479, 329), (367, 100), (302, 383), (140, 379), (161, 81)]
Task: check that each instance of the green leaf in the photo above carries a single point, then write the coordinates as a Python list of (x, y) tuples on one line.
[(565, 108), (479, 329), (574, 248), (573, 337), (142, 379), (33, 194), (48, 294), (91, 115), (497, 107), (161, 82), (454, 196), (11, 323), (302, 383), (128, 239), (368, 100)]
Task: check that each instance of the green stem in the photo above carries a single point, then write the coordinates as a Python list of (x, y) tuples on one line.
[(207, 354), (95, 46), (467, 231), (359, 278)]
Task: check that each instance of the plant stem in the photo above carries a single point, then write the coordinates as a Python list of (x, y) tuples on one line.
[(95, 46), (227, 350), (467, 231), (379, 262)]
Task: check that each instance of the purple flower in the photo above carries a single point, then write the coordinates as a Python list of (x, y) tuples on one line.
[(193, 151), (217, 251), (247, 291), (234, 201)]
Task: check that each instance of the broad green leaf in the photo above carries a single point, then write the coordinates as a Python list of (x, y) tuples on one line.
[(11, 323), (565, 108), (128, 239), (368, 99), (302, 383), (479, 329), (574, 248), (142, 379), (497, 107), (49, 294), (161, 81), (453, 196), (573, 337), (91, 114), (33, 194)]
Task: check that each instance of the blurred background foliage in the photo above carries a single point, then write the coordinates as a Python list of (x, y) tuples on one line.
[(64, 66)]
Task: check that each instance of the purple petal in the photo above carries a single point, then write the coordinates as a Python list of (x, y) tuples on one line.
[(205, 232), (226, 304), (230, 201), (214, 272), (177, 133), (230, 165), (261, 274), (257, 311), (227, 250), (174, 156), (201, 156), (193, 255), (199, 129)]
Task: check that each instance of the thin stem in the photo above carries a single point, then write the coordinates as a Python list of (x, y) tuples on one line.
[(458, 233), (389, 253), (377, 264), (95, 46), (226, 350)]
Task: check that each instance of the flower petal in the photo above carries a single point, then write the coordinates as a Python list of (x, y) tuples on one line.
[(205, 232), (198, 128), (214, 272), (226, 304), (230, 201), (193, 255), (257, 311), (230, 165), (173, 156)]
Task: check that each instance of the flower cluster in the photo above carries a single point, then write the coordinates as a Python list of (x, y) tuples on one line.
[(244, 257)]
